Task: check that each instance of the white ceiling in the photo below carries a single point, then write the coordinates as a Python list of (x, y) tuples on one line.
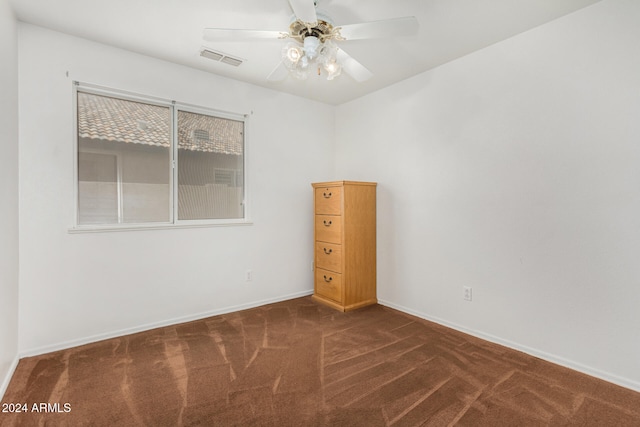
[(172, 30)]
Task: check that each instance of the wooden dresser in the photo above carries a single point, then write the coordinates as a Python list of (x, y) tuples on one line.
[(345, 244)]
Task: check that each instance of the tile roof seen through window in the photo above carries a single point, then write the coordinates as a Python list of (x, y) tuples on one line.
[(106, 118), (198, 132)]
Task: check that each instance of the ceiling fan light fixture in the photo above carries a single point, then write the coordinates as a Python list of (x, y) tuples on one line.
[(295, 60), (311, 45), (291, 54), (333, 69), (313, 55), (329, 59), (302, 70)]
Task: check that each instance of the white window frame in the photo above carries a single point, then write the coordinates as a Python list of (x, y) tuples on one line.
[(174, 107)]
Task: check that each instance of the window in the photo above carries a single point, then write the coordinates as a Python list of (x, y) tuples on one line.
[(143, 162), (205, 145)]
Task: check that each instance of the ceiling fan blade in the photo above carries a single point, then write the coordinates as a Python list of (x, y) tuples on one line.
[(352, 67), (407, 26), (305, 10), (279, 73), (232, 35)]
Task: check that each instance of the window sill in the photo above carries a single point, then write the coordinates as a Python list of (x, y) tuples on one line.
[(142, 227)]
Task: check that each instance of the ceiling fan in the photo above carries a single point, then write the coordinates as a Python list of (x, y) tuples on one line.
[(313, 42)]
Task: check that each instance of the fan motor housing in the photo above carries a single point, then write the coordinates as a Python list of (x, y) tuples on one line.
[(299, 30), (323, 29)]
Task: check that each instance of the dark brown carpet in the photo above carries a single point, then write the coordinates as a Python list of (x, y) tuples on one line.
[(297, 363)]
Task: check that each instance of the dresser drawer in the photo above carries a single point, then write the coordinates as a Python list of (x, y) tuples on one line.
[(329, 284), (329, 200), (329, 256), (329, 228)]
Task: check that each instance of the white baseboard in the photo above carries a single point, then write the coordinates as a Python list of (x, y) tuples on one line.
[(606, 376), (141, 328), (7, 377)]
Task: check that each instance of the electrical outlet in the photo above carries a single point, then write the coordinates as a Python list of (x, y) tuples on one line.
[(466, 293), (248, 275)]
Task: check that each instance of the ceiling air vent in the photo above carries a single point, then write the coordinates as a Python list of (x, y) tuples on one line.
[(221, 57), (231, 61)]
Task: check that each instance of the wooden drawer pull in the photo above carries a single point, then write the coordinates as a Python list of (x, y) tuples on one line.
[(328, 252), (327, 195), (329, 279), (327, 223)]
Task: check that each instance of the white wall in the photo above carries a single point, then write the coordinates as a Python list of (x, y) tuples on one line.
[(516, 171), (9, 195), (80, 287)]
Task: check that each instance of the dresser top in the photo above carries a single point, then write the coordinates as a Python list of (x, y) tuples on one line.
[(341, 183)]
